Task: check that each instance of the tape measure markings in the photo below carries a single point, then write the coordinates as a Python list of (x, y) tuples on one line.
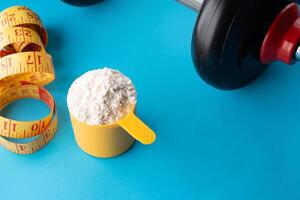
[(23, 17), (43, 138), (8, 17), (24, 68), (19, 36), (11, 128), (33, 62)]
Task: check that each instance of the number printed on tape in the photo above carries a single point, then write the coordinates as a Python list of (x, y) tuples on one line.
[(25, 67)]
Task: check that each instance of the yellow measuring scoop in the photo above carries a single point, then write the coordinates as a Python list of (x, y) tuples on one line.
[(137, 129), (111, 140)]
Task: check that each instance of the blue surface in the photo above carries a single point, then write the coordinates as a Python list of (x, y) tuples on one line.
[(211, 144)]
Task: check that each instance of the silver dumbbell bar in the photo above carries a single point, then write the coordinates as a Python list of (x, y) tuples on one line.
[(193, 4)]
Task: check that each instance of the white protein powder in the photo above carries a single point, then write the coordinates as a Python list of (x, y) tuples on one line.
[(101, 97)]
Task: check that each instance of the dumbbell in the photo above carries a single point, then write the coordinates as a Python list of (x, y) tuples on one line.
[(81, 2), (235, 40)]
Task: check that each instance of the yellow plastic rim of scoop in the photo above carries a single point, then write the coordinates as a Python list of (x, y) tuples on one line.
[(135, 127)]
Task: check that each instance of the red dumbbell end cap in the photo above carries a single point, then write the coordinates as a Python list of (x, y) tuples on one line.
[(283, 37)]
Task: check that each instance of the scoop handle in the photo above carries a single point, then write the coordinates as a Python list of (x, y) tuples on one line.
[(138, 129)]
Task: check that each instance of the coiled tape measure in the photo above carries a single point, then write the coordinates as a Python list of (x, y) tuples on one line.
[(24, 68)]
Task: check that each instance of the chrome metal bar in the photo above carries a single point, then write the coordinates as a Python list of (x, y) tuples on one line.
[(193, 4), (297, 54)]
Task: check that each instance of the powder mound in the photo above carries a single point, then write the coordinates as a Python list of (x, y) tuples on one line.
[(101, 97)]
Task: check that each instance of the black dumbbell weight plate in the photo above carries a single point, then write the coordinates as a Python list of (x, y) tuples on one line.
[(81, 2), (227, 39)]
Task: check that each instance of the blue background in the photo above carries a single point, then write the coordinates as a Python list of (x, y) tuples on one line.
[(211, 144)]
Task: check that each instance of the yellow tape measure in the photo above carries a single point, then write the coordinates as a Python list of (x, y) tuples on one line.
[(24, 68)]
